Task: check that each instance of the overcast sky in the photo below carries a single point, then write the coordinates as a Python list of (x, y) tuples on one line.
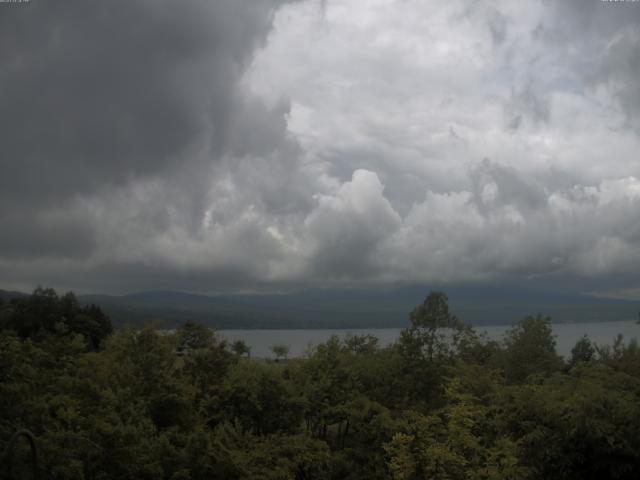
[(266, 145)]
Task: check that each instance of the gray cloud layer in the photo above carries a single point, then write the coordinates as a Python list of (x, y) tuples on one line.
[(261, 144)]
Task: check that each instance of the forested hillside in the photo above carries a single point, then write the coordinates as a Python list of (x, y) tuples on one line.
[(442, 403)]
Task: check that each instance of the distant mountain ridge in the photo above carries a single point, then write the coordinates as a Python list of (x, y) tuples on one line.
[(7, 295), (351, 308)]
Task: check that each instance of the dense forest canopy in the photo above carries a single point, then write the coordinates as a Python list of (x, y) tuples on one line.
[(443, 402)]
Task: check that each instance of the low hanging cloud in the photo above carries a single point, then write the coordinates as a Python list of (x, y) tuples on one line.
[(501, 233), (268, 145)]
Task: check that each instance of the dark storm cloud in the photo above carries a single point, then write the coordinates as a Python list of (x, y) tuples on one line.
[(95, 95), (45, 234), (156, 144)]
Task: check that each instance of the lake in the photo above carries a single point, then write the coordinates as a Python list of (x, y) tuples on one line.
[(567, 334)]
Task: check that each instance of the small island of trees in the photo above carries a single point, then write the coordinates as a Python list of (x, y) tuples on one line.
[(442, 403)]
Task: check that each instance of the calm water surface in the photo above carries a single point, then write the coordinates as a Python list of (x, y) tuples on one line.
[(299, 341)]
